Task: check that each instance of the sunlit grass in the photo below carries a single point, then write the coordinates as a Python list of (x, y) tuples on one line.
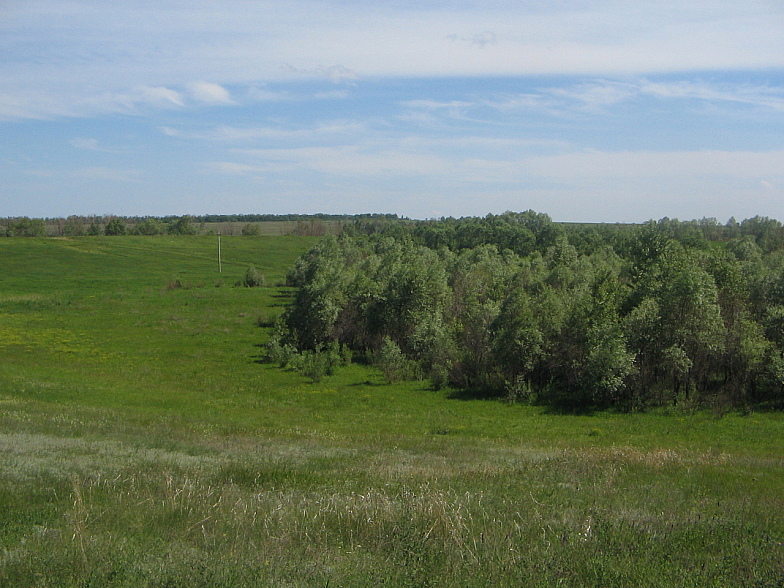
[(144, 443)]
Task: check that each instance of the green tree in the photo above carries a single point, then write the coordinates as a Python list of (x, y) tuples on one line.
[(391, 361), (321, 276), (115, 227), (251, 230), (150, 226), (74, 227), (182, 226), (27, 227), (253, 278), (688, 332)]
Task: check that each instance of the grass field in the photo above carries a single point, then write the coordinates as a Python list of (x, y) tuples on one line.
[(143, 442)]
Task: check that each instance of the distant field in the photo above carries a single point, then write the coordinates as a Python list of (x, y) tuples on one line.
[(144, 442)]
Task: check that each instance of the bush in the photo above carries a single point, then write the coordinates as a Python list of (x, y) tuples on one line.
[(27, 227), (284, 354), (520, 391), (182, 226), (150, 226), (115, 227), (315, 365), (392, 362), (253, 279), (74, 227)]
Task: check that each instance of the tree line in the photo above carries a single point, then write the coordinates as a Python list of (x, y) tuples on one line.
[(575, 316), (78, 226)]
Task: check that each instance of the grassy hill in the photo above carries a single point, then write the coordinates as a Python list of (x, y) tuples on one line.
[(144, 442)]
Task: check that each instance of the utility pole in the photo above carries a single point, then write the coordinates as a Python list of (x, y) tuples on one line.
[(220, 266)]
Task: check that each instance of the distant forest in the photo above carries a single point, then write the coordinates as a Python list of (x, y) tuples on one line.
[(575, 316), (241, 224)]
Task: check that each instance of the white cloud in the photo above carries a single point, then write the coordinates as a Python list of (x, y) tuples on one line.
[(226, 133), (351, 161), (230, 168), (106, 174), (600, 96), (593, 165), (613, 170), (62, 58), (210, 93), (757, 96), (85, 143), (41, 173), (260, 94), (335, 73), (480, 39), (596, 95), (332, 95), (156, 95)]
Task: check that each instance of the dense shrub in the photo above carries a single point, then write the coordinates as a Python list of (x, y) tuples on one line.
[(115, 227), (635, 317), (253, 279)]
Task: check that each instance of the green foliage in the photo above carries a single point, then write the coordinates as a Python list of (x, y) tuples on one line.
[(251, 230), (181, 226), (253, 279), (74, 227), (391, 361), (115, 227), (644, 316), (283, 354), (150, 226), (27, 227)]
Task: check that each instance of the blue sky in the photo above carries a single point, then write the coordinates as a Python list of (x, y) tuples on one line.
[(614, 111)]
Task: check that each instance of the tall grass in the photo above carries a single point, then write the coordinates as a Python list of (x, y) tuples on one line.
[(142, 443)]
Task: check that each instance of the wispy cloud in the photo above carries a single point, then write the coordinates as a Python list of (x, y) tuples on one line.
[(107, 174), (596, 96), (749, 95), (230, 168), (348, 161), (602, 95), (91, 144), (156, 95), (262, 94), (505, 166), (210, 93), (482, 39), (335, 73), (327, 130), (88, 50), (332, 95), (85, 143), (592, 165)]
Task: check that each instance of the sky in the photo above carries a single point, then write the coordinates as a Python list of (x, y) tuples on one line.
[(589, 111)]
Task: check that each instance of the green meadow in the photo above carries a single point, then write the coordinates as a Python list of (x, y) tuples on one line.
[(144, 441)]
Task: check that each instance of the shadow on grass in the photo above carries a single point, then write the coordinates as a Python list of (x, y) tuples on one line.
[(550, 408), (367, 383), (565, 410), (473, 394)]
